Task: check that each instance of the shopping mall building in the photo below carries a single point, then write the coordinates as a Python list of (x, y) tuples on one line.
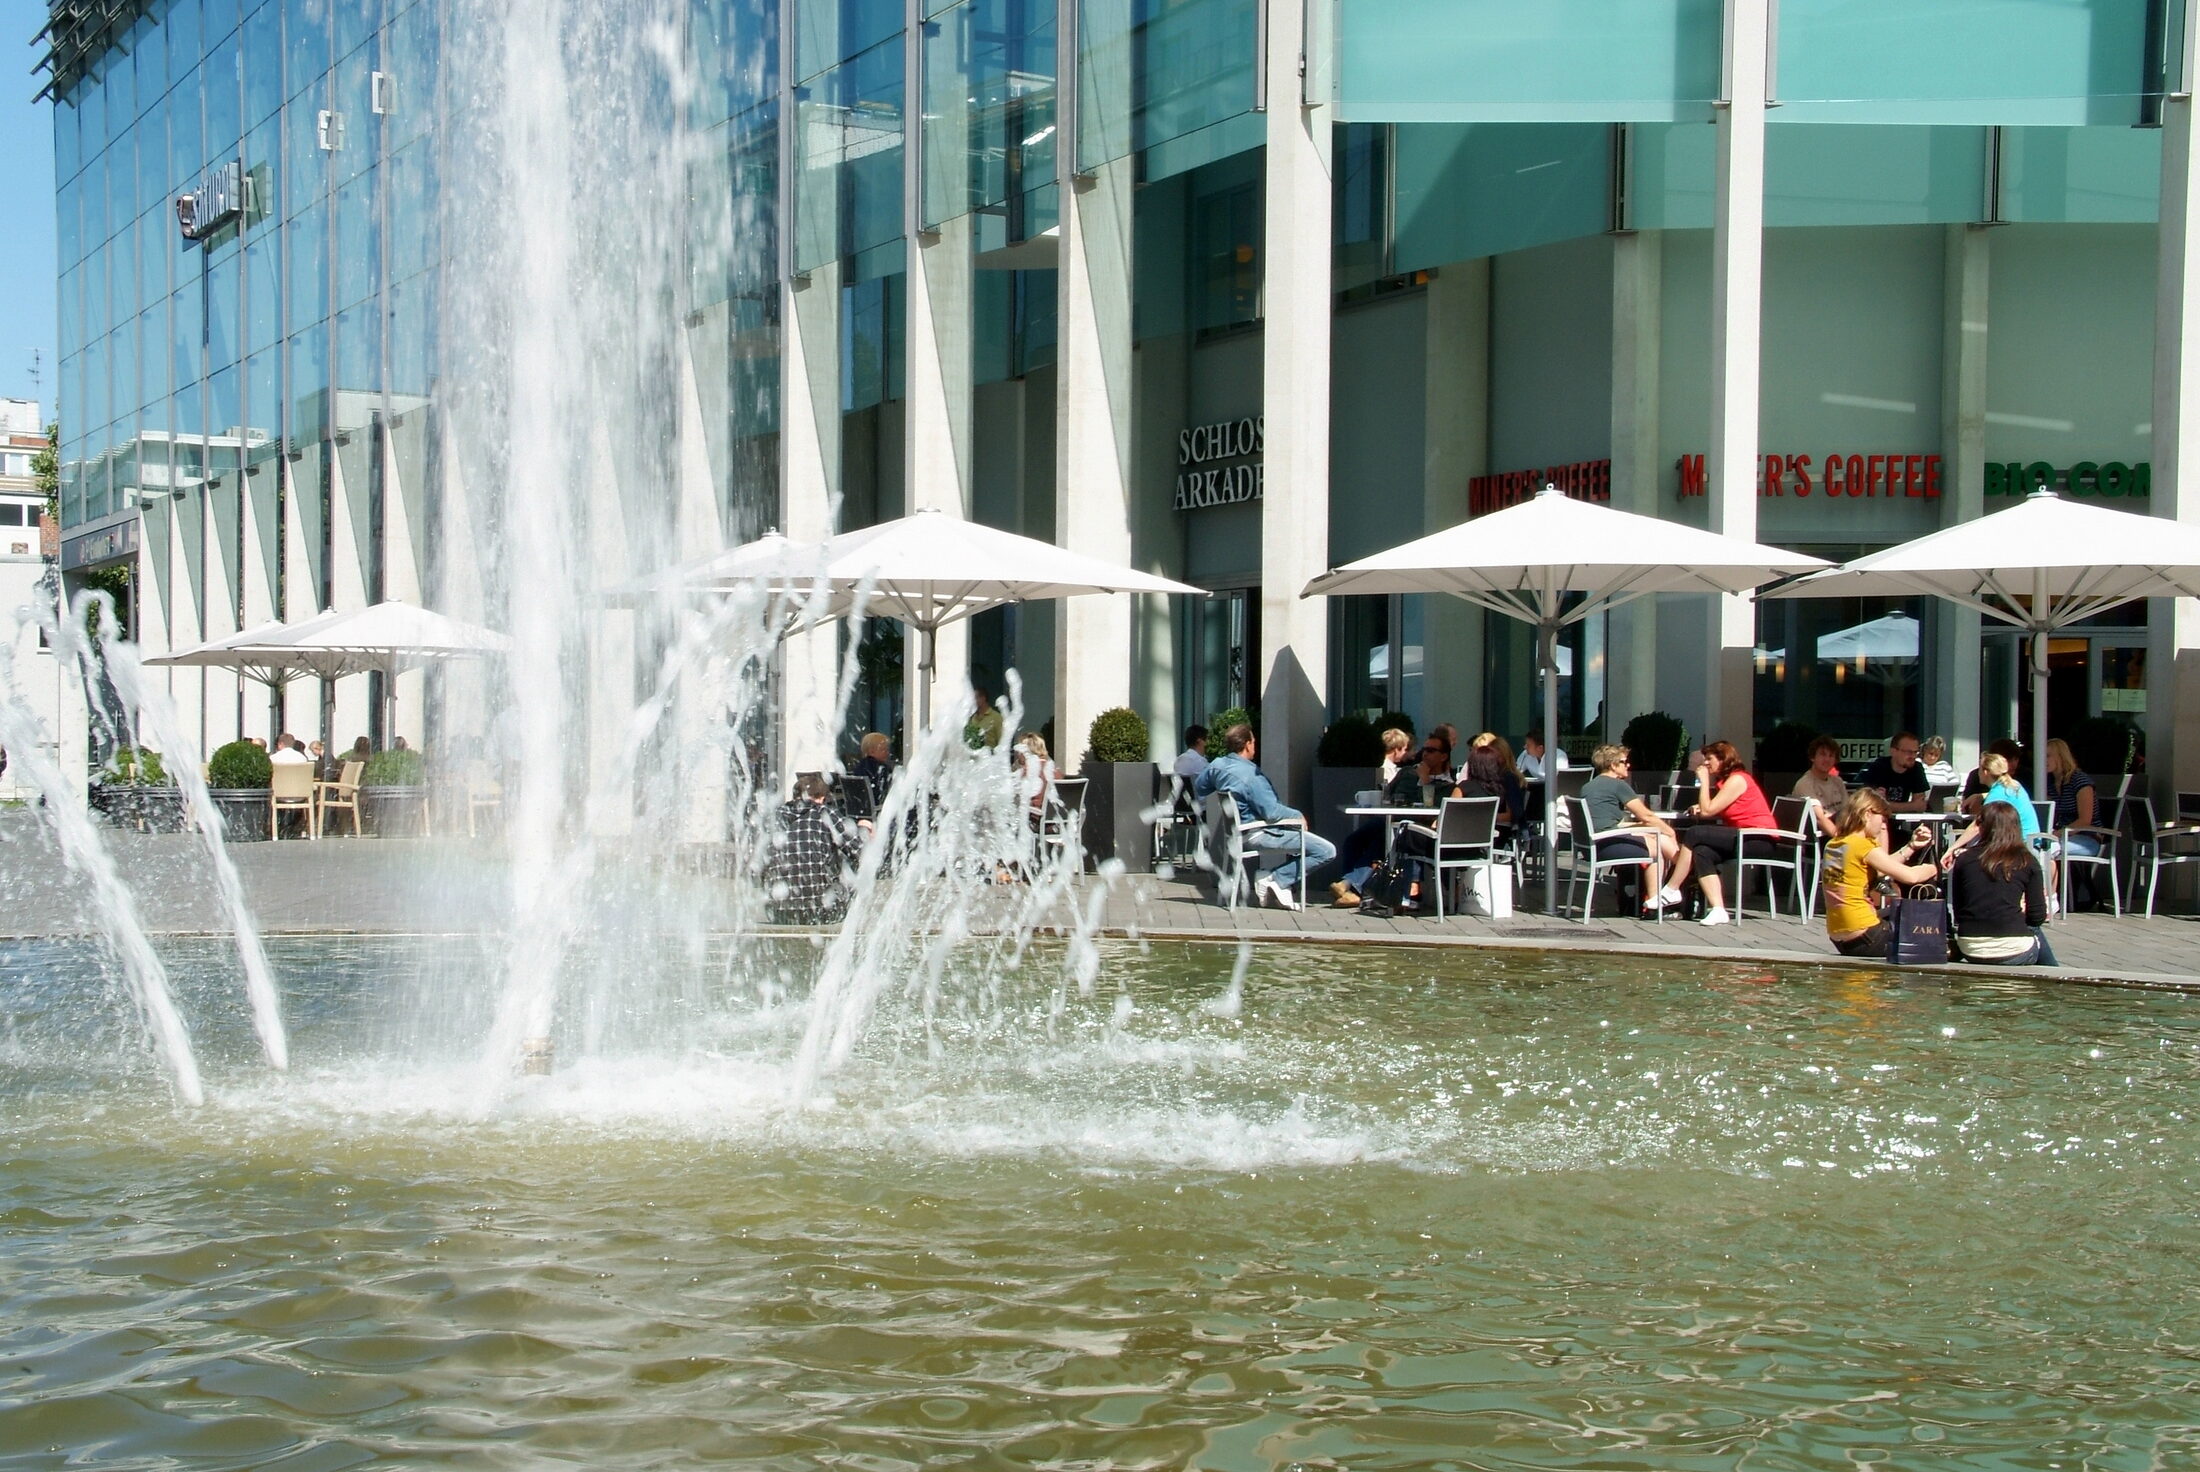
[(1235, 290)]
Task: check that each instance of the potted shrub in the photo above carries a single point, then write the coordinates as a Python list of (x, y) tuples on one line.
[(1783, 755), (1657, 742), (1348, 760), (134, 790), (393, 792), (1219, 724), (237, 778), (1119, 789), (2106, 747)]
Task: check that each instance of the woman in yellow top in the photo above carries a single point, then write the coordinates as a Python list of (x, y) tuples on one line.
[(1855, 858)]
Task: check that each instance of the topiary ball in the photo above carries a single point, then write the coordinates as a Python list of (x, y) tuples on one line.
[(239, 764), (1120, 735)]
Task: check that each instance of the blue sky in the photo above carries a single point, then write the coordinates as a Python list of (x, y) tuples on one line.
[(27, 235)]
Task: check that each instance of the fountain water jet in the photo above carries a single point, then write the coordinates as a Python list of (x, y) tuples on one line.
[(85, 853)]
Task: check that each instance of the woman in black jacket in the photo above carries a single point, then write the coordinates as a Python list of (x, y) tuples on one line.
[(1999, 899)]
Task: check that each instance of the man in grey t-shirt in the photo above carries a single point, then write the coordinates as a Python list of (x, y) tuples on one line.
[(1624, 824)]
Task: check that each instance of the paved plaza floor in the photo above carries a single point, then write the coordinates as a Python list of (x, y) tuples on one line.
[(457, 886)]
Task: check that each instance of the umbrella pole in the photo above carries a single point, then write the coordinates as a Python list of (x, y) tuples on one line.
[(2039, 682), (924, 682), (1549, 632)]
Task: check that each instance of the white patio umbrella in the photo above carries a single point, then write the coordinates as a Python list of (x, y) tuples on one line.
[(386, 637), (1553, 561), (2043, 565), (927, 569), (1890, 637)]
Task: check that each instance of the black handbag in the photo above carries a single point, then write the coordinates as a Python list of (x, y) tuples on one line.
[(1920, 921)]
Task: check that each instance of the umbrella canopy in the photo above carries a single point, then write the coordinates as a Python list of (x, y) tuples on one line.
[(927, 569), (1553, 561), (2043, 565), (1893, 636), (783, 566), (250, 652), (386, 637)]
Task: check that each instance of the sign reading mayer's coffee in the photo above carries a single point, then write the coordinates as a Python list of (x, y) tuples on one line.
[(1219, 464)]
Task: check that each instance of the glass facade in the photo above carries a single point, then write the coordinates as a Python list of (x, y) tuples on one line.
[(280, 366)]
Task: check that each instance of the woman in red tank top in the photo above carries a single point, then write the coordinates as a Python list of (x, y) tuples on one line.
[(1733, 801)]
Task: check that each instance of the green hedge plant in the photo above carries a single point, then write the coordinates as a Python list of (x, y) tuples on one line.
[(1785, 748), (1352, 740), (134, 766), (1120, 735), (392, 769), (1656, 742), (1219, 724), (239, 764)]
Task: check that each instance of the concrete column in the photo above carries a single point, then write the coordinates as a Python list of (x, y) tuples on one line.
[(1456, 449), (1631, 658), (1093, 416), (1954, 709), (1295, 367), (809, 506), (936, 429), (2173, 643), (1737, 284)]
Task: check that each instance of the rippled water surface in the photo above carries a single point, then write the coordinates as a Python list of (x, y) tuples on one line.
[(1400, 1210)]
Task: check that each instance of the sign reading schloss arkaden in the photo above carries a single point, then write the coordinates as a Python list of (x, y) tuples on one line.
[(1219, 464)]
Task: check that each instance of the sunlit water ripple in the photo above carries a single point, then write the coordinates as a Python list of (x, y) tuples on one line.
[(1406, 1210)]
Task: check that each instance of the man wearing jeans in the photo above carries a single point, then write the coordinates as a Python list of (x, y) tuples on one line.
[(1234, 773)]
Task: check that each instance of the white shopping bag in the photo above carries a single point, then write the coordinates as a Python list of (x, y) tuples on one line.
[(1490, 892)]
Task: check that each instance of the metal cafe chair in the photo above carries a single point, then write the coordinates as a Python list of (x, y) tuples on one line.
[(2156, 845), (1591, 862), (1062, 819), (1228, 843), (2109, 831), (1466, 838), (1775, 849)]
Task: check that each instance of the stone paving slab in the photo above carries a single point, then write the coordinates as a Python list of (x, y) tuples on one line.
[(457, 886)]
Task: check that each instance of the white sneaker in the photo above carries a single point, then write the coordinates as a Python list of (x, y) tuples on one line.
[(1668, 897), (1275, 894), (1717, 916)]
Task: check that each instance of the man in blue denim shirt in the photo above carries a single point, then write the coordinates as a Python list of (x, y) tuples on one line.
[(1257, 802)]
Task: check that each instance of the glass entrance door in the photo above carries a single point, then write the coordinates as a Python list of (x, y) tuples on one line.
[(1218, 650)]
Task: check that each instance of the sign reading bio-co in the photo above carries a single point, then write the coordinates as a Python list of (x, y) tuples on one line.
[(1219, 464)]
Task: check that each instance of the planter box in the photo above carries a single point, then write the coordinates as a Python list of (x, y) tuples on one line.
[(390, 812), (1117, 796), (244, 813), (161, 809), (1334, 791)]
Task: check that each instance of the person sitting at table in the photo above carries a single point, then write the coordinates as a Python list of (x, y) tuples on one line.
[(2074, 798), (1531, 758), (1192, 760), (1425, 784), (1035, 772), (360, 751), (1898, 776), (1237, 772), (1933, 756), (325, 767), (875, 764), (1396, 744), (1728, 801), (288, 753), (1626, 827), (813, 857), (1996, 892), (1823, 781), (1976, 782), (1855, 861), (1518, 795)]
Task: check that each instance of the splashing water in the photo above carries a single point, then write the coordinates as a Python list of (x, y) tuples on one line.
[(158, 714), (124, 931)]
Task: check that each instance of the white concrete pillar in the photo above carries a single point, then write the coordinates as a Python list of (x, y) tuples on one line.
[(1456, 449), (809, 490), (1954, 708), (2173, 643), (1295, 368), (1737, 289), (1631, 658), (936, 428), (1093, 418)]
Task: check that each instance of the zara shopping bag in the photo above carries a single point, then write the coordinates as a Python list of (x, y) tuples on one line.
[(1920, 920)]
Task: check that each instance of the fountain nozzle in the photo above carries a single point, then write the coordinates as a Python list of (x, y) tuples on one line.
[(536, 1056)]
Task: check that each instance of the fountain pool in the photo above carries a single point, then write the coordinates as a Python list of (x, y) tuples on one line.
[(1401, 1210)]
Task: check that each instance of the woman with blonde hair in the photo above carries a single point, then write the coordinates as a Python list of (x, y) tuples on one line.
[(1856, 859)]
